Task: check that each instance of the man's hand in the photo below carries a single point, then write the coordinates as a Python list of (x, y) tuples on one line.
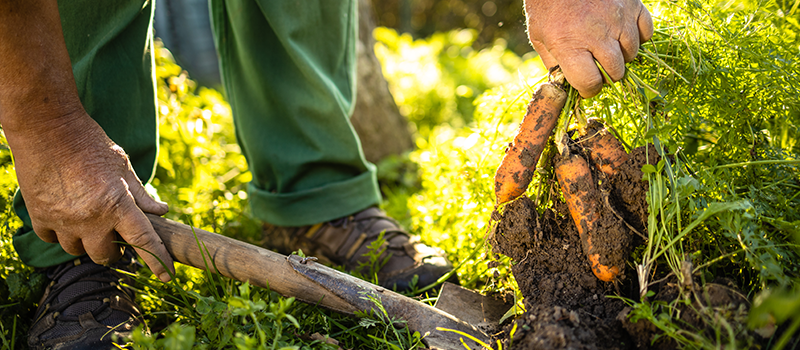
[(575, 33), (81, 191), (79, 187)]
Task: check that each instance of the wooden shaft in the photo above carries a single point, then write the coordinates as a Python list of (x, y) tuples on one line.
[(310, 282), (242, 262)]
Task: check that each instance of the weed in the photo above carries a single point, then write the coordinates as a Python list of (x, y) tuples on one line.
[(392, 333), (368, 270)]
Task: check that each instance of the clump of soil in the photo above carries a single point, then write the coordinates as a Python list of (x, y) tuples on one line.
[(695, 307), (627, 189), (569, 308), (567, 305)]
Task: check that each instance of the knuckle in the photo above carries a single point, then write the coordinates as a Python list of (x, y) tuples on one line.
[(114, 198), (137, 237), (137, 234), (119, 151)]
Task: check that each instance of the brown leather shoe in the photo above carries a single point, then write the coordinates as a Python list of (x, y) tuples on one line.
[(345, 241)]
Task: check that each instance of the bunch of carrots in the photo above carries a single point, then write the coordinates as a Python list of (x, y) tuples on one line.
[(572, 170)]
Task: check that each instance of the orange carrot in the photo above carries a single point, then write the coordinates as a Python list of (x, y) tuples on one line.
[(519, 163), (580, 192), (606, 151)]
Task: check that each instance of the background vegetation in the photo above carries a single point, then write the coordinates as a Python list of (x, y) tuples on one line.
[(718, 88)]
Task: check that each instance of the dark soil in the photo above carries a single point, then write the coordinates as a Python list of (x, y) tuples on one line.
[(628, 191), (720, 299), (567, 305)]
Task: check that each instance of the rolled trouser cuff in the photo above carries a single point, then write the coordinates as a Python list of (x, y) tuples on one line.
[(316, 205)]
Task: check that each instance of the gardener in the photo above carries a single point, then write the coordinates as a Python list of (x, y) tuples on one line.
[(77, 107)]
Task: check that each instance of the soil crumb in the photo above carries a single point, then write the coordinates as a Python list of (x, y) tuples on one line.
[(567, 306)]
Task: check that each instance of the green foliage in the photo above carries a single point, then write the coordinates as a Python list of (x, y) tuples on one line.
[(735, 126), (435, 80), (393, 333), (776, 306), (245, 319), (201, 171), (717, 89), (20, 286)]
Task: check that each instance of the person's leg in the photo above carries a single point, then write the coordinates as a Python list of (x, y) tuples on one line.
[(109, 44), (289, 74)]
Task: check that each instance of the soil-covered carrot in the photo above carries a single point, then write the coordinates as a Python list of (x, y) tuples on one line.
[(606, 151), (583, 201), (516, 170)]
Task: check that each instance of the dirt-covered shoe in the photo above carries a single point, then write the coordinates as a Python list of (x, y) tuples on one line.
[(346, 241), (85, 305)]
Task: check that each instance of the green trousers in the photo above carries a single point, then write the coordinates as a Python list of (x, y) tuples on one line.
[(289, 74)]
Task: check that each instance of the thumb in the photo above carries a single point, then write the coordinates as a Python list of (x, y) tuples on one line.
[(143, 200)]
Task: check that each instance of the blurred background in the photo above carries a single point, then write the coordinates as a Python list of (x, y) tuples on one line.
[(437, 56), (183, 26)]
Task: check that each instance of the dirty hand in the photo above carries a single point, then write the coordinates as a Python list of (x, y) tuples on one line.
[(81, 191), (575, 33)]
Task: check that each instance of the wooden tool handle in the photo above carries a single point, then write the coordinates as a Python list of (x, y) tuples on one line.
[(242, 262), (310, 282)]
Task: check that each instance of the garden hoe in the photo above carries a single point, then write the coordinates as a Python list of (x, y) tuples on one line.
[(314, 283)]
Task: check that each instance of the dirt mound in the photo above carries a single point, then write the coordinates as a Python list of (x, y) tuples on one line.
[(567, 305), (720, 299)]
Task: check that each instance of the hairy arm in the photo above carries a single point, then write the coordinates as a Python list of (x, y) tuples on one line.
[(575, 33), (79, 186)]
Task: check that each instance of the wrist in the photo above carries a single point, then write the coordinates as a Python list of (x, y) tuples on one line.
[(56, 134), (39, 119)]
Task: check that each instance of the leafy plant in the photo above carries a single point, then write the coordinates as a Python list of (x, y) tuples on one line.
[(723, 199), (393, 333), (368, 270)]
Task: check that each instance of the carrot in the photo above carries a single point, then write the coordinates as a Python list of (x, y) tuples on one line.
[(606, 151), (580, 192), (516, 170)]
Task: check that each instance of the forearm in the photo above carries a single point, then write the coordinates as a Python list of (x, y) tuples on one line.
[(37, 89)]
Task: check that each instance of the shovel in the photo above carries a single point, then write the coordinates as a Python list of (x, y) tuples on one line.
[(311, 282)]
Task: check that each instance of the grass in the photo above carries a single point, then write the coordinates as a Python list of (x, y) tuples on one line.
[(717, 89)]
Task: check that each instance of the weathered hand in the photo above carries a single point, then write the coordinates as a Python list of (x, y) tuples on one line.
[(574, 33), (81, 191)]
